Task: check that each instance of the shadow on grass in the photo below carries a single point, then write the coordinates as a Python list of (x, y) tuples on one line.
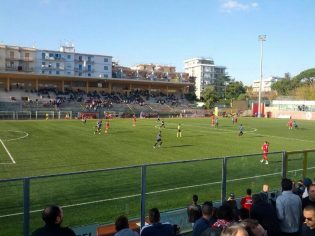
[(175, 146)]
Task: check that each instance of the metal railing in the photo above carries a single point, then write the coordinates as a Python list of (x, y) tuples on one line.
[(103, 194)]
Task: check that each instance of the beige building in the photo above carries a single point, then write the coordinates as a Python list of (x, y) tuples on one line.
[(15, 58)]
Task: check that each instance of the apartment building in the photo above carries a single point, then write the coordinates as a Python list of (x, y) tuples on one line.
[(266, 84), (17, 59), (205, 72)]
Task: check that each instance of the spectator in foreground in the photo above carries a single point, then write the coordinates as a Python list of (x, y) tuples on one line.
[(206, 221), (235, 229), (266, 214), (156, 228), (122, 227), (289, 209), (194, 210), (247, 201), (308, 228), (53, 216), (310, 199)]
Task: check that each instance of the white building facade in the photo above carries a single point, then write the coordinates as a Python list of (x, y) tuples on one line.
[(65, 62), (266, 84), (205, 72)]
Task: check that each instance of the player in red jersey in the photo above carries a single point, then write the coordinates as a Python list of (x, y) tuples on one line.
[(290, 124), (106, 127), (265, 148), (212, 120), (134, 120)]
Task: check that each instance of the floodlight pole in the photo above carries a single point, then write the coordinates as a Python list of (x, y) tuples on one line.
[(261, 38)]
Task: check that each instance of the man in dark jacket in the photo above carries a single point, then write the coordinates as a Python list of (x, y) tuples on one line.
[(194, 210), (266, 215), (53, 216)]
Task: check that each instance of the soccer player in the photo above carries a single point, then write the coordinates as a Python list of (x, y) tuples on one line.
[(106, 127), (158, 139), (295, 125), (162, 124), (216, 122), (134, 120), (265, 148), (212, 120), (83, 119), (233, 120), (290, 123), (179, 131), (98, 127), (241, 128)]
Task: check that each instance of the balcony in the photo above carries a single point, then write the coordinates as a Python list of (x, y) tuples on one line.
[(29, 59), (18, 68)]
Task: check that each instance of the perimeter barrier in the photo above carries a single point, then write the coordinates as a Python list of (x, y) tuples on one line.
[(94, 197)]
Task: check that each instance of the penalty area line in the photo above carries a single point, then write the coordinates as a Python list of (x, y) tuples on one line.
[(13, 161)]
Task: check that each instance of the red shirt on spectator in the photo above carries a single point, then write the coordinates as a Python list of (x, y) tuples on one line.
[(247, 202)]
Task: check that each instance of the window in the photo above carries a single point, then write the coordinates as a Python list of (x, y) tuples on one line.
[(43, 55), (57, 72), (11, 54), (43, 64), (89, 58), (27, 55), (51, 55), (89, 68), (89, 74), (69, 56), (105, 67), (49, 65), (105, 75), (69, 73), (11, 63), (50, 72), (105, 59), (43, 72), (80, 74), (57, 65), (80, 67), (80, 58)]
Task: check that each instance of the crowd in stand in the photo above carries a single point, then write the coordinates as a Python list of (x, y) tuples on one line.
[(290, 213)]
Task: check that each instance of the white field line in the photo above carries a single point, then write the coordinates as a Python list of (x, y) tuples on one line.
[(154, 192), (13, 139), (13, 161)]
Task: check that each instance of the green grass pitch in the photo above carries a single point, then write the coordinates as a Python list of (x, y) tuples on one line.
[(50, 147)]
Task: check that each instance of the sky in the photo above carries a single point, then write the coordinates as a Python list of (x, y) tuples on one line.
[(168, 32)]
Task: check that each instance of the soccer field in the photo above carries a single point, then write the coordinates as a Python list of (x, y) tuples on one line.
[(31, 148), (49, 147)]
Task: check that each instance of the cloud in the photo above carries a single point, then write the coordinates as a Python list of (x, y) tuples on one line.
[(232, 5)]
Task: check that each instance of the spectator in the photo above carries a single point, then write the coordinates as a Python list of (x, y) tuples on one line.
[(194, 210), (155, 228), (122, 227), (253, 228), (235, 229), (289, 209), (247, 201), (307, 182), (205, 221), (265, 193), (53, 216), (308, 228), (265, 214), (225, 217), (310, 199)]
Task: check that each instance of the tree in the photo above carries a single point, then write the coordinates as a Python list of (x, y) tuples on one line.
[(220, 84), (305, 92), (284, 86), (234, 89), (306, 77), (209, 96)]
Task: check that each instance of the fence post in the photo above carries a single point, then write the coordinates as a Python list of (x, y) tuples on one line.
[(223, 186), (143, 190), (26, 206), (284, 164), (305, 165)]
